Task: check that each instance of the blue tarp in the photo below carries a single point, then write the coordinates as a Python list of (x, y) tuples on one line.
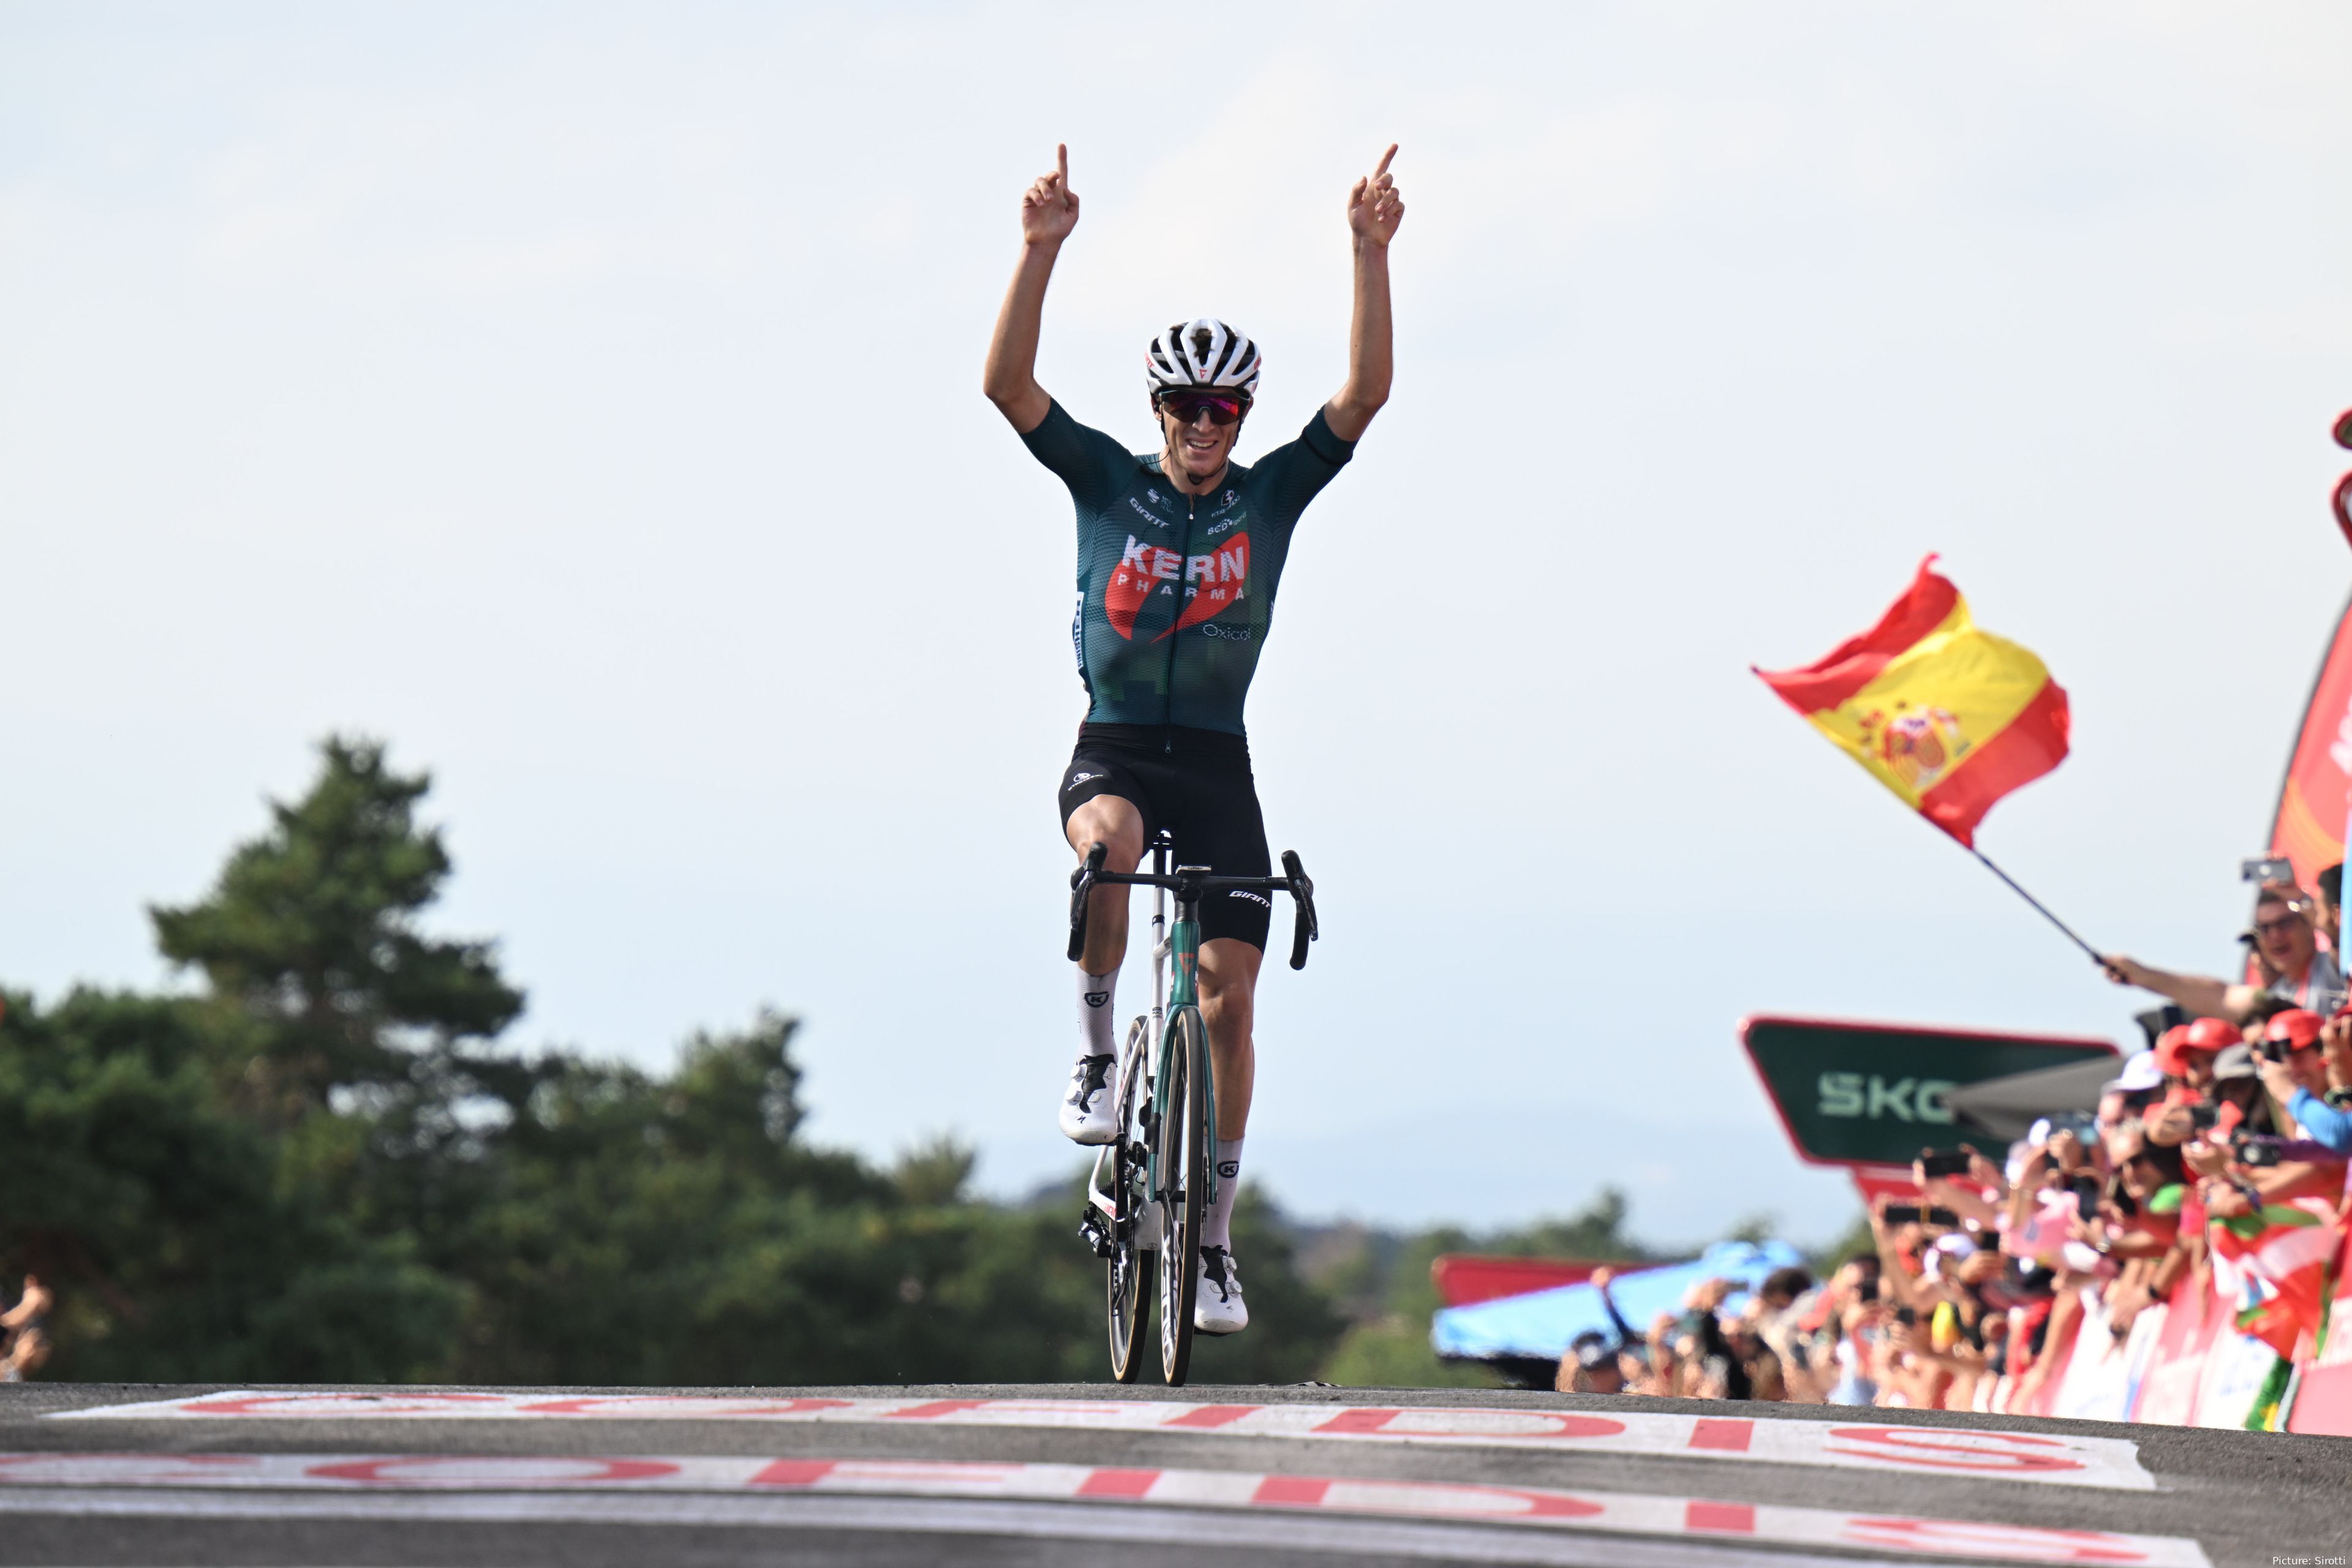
[(1542, 1322)]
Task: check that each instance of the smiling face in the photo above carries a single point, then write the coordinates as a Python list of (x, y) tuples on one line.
[(1199, 451), (2283, 933)]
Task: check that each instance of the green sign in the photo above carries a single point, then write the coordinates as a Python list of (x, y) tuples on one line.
[(1874, 1093)]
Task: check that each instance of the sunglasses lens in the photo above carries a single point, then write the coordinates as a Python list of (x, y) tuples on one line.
[(1188, 407)]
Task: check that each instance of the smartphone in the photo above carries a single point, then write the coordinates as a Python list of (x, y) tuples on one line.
[(2086, 1195), (1945, 1163), (2259, 1150), (2269, 868), (1906, 1316), (2201, 1115), (1904, 1214), (1940, 1220)]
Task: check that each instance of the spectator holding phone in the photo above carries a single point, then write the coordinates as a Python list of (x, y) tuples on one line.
[(2186, 1054), (2302, 1074), (2286, 941)]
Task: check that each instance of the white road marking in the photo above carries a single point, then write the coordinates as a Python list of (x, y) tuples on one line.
[(1125, 1522), (2069, 1460), (418, 1477)]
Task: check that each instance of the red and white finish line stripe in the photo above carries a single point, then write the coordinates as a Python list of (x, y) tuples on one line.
[(31, 1476), (2081, 1461)]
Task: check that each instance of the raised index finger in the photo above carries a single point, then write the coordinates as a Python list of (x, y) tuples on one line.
[(1384, 161), (1061, 160)]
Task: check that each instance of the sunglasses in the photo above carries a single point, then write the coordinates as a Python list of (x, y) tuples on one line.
[(1222, 407), (2265, 928)]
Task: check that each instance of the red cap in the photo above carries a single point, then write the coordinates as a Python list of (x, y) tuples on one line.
[(2167, 1050), (2213, 1035), (2298, 1027), (2172, 1046)]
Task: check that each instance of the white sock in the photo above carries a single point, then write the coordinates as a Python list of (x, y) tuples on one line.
[(1095, 994), (1217, 1229)]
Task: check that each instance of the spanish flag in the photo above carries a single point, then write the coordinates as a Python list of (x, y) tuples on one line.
[(1950, 718)]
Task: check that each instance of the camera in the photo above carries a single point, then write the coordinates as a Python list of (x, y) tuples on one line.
[(2259, 1150)]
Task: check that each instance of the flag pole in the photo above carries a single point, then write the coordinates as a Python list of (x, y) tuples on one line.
[(2043, 909)]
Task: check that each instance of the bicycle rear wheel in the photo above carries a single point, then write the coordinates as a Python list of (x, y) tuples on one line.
[(1185, 1182), (1130, 1270)]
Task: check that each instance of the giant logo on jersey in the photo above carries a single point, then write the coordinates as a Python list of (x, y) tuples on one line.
[(1202, 585)]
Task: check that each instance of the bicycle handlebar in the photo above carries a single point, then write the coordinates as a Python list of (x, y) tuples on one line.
[(1190, 880)]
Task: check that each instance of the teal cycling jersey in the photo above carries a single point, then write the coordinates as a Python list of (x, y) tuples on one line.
[(1176, 592)]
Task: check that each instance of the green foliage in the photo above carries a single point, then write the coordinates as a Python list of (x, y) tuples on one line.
[(309, 938), (178, 1248)]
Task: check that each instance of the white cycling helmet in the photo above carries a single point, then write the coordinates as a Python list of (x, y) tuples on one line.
[(1205, 353)]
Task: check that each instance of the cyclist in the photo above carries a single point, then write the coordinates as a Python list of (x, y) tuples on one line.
[(1179, 552)]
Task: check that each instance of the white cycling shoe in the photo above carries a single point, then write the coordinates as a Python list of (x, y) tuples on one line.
[(1088, 1115), (1217, 1304)]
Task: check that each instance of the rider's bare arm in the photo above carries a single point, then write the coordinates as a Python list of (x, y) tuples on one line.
[(1375, 207), (1049, 210), (2198, 994)]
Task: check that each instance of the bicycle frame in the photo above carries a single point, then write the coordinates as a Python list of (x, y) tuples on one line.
[(1175, 981), (1175, 964)]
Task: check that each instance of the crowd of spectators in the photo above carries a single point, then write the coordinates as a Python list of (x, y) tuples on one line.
[(2237, 1118)]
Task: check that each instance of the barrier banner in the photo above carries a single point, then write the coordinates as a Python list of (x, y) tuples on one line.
[(2323, 1391), (2168, 1391), (2096, 1383)]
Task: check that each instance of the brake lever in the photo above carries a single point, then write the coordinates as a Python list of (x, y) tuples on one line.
[(1082, 887), (1302, 893)]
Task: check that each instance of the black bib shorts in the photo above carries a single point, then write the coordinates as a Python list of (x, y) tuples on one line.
[(1197, 785)]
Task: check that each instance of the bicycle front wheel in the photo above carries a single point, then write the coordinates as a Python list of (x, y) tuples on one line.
[(1130, 1269), (1184, 1184)]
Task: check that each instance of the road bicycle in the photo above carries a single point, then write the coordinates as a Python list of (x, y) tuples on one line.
[(1153, 1182)]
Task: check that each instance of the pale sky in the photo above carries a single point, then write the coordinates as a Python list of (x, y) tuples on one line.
[(586, 400)]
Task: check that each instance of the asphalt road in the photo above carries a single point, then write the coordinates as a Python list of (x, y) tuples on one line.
[(1082, 1474)]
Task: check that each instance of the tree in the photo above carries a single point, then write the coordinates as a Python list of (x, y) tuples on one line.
[(311, 935), (160, 1217)]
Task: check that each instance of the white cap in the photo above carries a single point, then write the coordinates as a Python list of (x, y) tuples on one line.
[(2140, 1074)]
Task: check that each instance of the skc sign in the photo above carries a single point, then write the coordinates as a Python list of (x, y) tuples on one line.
[(1873, 1094)]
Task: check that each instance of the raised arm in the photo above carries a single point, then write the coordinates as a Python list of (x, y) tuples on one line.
[(1049, 210), (2198, 994), (1375, 207)]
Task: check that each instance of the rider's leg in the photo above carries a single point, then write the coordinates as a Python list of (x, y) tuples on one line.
[(1228, 986), (1228, 983), (1088, 1115), (1116, 824)]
